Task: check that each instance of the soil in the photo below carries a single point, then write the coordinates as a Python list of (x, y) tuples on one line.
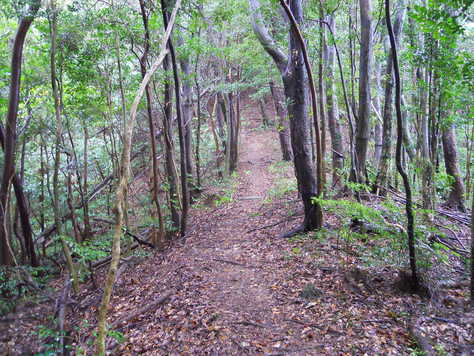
[(236, 288)]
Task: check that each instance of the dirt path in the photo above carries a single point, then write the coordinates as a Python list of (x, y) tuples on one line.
[(235, 288), (235, 292)]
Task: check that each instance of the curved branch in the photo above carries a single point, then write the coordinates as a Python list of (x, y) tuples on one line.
[(264, 37)]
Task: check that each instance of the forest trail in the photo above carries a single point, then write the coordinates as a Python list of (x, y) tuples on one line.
[(235, 292)]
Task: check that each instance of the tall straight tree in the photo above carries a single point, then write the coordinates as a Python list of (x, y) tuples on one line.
[(332, 108), (57, 98), (283, 130), (386, 154), (406, 183), (157, 237), (181, 130), (6, 255), (365, 68), (294, 77)]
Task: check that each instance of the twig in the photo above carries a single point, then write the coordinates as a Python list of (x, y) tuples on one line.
[(143, 310), (249, 323), (288, 218), (231, 262), (126, 231)]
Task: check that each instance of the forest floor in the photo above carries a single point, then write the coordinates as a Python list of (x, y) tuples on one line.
[(233, 287)]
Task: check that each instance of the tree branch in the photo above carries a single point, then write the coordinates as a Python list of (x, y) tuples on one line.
[(264, 37)]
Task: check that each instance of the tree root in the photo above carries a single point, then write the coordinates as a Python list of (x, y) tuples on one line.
[(294, 232)]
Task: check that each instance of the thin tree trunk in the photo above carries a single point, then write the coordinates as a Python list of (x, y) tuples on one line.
[(282, 127), (322, 90), (472, 254), (198, 129), (124, 175), (469, 158), (85, 182), (333, 112), (187, 112), (57, 156), (265, 119), (181, 129), (398, 106), (386, 154), (157, 238), (378, 142), (123, 108)]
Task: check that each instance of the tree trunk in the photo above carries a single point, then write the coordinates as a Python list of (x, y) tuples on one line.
[(322, 90), (293, 71), (124, 175), (187, 109), (295, 80), (265, 120), (472, 254), (23, 210), (365, 67), (386, 154), (333, 113), (379, 122), (469, 157), (456, 195), (157, 236), (6, 257), (282, 127), (198, 129), (85, 190), (57, 156), (406, 183), (181, 129)]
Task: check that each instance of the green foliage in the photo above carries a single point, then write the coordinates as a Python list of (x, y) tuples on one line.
[(51, 340)]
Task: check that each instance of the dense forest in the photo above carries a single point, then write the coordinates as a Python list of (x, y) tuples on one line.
[(268, 177)]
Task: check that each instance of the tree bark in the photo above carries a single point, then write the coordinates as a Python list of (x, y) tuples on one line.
[(85, 190), (297, 75), (386, 154), (23, 211), (293, 71), (265, 120), (398, 106), (282, 127), (6, 256), (181, 129), (365, 67), (187, 109), (456, 195), (157, 237), (379, 122), (333, 112)]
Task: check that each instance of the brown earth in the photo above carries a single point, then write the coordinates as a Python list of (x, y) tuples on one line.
[(235, 288)]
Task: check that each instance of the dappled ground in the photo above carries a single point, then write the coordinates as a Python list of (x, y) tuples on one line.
[(232, 287)]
